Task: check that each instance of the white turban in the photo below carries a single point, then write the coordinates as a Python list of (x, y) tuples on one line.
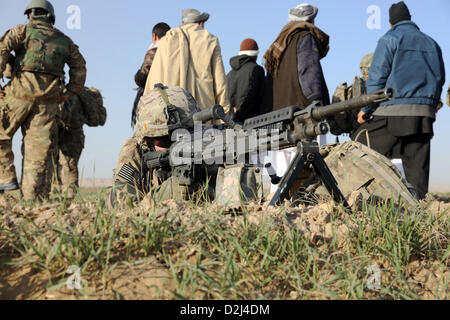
[(303, 12)]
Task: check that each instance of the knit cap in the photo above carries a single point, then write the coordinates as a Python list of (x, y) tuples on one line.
[(398, 12), (249, 47)]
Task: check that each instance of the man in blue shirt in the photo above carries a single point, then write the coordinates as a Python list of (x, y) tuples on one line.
[(411, 63)]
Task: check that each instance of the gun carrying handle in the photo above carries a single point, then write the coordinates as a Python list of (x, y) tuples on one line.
[(215, 113)]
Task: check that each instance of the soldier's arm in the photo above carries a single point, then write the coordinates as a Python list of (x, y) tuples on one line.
[(77, 71), (12, 40)]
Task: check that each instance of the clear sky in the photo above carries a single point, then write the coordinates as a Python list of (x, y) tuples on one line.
[(114, 36)]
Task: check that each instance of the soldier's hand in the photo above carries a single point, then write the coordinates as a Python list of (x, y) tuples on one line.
[(361, 117)]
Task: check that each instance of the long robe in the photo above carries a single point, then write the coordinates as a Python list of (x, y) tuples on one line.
[(190, 57)]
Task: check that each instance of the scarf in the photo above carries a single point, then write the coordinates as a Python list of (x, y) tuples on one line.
[(275, 52)]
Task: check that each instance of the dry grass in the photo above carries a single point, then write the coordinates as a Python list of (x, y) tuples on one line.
[(186, 250)]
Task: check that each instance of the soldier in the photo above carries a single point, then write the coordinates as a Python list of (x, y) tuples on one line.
[(152, 133), (73, 114), (347, 122), (161, 112), (32, 97)]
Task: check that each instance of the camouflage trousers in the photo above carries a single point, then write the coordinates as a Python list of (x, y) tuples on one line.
[(71, 144), (37, 120)]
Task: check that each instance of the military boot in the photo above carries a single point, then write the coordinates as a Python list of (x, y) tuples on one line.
[(9, 186)]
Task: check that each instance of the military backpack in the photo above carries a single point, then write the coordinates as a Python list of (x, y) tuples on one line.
[(356, 167), (85, 108), (94, 111)]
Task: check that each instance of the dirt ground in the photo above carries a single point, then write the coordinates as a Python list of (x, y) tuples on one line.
[(150, 277)]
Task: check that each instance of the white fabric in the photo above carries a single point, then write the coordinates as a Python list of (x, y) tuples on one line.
[(154, 45), (303, 12), (280, 162), (251, 53), (322, 140), (193, 16), (399, 164)]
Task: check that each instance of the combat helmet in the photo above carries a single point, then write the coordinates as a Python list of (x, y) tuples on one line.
[(365, 65), (44, 5), (163, 110)]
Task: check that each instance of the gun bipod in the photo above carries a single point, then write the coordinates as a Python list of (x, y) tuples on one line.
[(308, 152)]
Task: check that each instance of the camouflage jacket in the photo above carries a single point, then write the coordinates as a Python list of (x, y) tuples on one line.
[(346, 122), (39, 84)]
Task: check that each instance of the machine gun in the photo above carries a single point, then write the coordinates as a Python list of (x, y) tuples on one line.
[(231, 143)]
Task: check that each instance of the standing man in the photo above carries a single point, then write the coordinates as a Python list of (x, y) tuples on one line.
[(190, 57), (293, 61), (159, 31), (245, 82), (411, 63), (32, 97), (294, 72)]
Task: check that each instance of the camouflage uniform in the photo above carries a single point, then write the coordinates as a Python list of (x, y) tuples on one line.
[(130, 182), (31, 100), (347, 122), (85, 108), (70, 143)]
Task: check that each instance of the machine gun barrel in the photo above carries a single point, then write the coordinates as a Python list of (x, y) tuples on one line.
[(214, 113), (355, 103)]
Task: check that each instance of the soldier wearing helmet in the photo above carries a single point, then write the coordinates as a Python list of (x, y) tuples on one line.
[(160, 112), (365, 65), (31, 98), (347, 122)]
